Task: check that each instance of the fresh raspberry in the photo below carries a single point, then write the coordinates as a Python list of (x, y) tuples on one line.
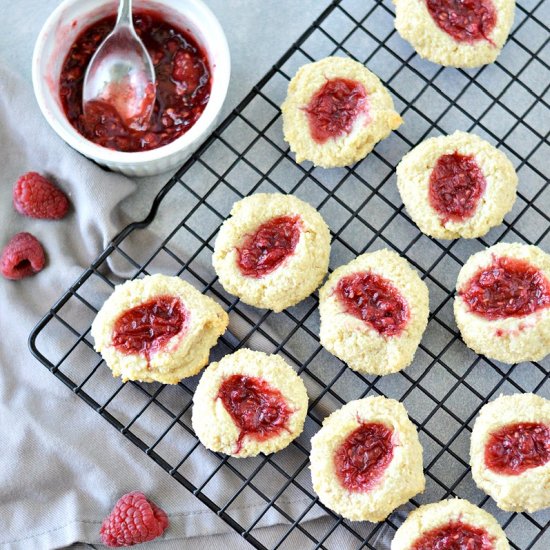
[(36, 197), (21, 257), (133, 520)]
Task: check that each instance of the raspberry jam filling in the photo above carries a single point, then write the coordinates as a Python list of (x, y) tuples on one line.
[(375, 300), (364, 455), (334, 108), (456, 185), (507, 288), (259, 410), (464, 20), (515, 448), (455, 535), (147, 328), (269, 246), (183, 85)]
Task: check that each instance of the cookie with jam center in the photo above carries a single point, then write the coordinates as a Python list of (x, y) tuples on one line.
[(335, 112), (502, 303), (510, 452), (374, 311), (157, 329), (453, 523), (249, 403), (455, 33), (366, 460), (456, 186), (273, 251)]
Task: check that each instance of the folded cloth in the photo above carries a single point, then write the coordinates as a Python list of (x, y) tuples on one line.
[(62, 467), (271, 536)]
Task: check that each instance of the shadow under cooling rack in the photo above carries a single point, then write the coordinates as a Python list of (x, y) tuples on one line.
[(447, 384)]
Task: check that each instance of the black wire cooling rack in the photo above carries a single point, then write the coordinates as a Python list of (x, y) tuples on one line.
[(447, 384)]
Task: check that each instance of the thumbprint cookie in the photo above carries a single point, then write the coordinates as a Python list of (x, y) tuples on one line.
[(366, 460), (273, 251), (158, 328), (502, 304), (374, 311), (456, 186), (455, 33), (249, 403), (448, 525), (510, 452), (336, 111)]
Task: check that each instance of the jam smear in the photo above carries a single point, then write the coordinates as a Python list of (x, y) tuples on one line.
[(456, 185), (146, 328), (455, 535), (334, 108), (364, 455), (375, 300), (182, 88), (515, 448), (507, 288), (119, 101), (464, 20), (268, 247), (259, 410)]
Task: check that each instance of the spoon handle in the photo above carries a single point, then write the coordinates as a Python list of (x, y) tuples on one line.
[(124, 17)]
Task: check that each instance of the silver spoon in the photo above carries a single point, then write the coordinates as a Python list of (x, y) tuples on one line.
[(121, 75)]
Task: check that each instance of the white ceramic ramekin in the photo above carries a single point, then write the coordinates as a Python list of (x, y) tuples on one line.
[(60, 31)]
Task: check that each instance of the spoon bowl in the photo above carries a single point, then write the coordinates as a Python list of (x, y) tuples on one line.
[(120, 79)]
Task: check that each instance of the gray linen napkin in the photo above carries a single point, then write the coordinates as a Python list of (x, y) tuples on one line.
[(62, 466)]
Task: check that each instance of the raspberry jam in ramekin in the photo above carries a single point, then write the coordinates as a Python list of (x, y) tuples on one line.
[(183, 85)]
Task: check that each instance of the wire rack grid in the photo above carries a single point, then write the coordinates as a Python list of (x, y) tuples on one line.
[(447, 384)]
